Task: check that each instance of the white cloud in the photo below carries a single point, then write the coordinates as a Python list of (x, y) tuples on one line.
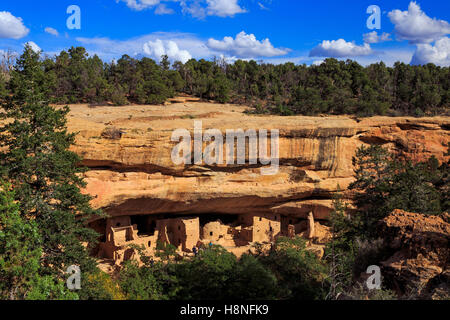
[(292, 59), (51, 31), (415, 26), (11, 26), (33, 46), (163, 9), (317, 62), (189, 45), (373, 37), (439, 54), (196, 8), (245, 46), (158, 48), (140, 4), (388, 56), (223, 8), (340, 49), (109, 49)]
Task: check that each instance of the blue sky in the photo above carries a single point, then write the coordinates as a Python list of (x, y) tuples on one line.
[(271, 30)]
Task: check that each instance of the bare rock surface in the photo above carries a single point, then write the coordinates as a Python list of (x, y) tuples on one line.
[(421, 247), (134, 174)]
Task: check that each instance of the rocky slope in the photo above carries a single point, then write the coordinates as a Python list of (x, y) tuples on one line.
[(420, 263), (134, 174)]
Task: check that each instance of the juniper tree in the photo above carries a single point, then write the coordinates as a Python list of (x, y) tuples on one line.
[(35, 158)]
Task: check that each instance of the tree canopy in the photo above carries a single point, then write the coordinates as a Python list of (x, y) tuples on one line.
[(333, 87)]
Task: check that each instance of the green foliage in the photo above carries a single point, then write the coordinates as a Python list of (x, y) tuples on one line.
[(140, 283), (165, 250), (333, 87), (49, 288), (443, 184), (19, 248), (20, 253), (208, 276), (360, 292), (36, 160), (299, 272), (153, 280), (289, 272), (340, 252), (385, 182), (253, 281), (216, 274), (99, 286), (3, 86)]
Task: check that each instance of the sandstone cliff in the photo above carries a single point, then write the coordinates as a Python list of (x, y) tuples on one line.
[(134, 173)]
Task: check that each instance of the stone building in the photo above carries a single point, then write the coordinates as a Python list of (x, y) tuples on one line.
[(120, 234), (185, 233)]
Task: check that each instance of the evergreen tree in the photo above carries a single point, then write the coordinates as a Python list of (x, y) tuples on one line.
[(19, 248), (35, 158), (20, 253), (385, 182)]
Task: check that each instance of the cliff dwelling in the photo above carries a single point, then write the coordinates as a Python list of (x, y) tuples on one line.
[(236, 233), (151, 199)]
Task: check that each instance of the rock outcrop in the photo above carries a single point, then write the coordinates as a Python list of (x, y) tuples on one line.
[(133, 174), (420, 264)]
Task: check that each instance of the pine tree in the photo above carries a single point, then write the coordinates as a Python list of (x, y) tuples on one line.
[(19, 248), (20, 252), (36, 160)]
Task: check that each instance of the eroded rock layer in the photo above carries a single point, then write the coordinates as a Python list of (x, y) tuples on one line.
[(132, 173), (420, 253)]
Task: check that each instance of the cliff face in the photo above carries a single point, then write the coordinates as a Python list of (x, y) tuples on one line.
[(134, 173)]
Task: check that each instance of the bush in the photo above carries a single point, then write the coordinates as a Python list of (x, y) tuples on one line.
[(253, 281), (209, 276), (112, 133), (140, 283), (360, 292), (47, 288), (100, 286), (299, 272)]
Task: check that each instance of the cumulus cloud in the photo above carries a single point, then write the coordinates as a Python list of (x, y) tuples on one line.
[(158, 48), (197, 8), (415, 26), (340, 49), (373, 37), (12, 27), (245, 46), (33, 46), (439, 53), (163, 9), (223, 8), (109, 49), (51, 31)]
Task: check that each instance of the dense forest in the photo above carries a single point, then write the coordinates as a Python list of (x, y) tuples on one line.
[(333, 87)]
